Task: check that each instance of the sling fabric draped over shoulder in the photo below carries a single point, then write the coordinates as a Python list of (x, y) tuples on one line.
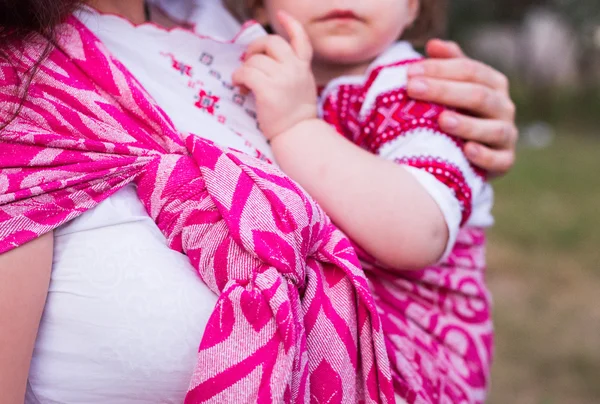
[(295, 320)]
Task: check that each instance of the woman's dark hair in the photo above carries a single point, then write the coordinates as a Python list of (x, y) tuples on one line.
[(22, 20)]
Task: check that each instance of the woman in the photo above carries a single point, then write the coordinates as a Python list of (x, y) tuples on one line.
[(125, 313)]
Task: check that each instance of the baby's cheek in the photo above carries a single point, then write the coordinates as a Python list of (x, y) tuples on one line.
[(384, 35)]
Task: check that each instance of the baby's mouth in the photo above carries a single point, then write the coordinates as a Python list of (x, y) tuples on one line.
[(340, 15)]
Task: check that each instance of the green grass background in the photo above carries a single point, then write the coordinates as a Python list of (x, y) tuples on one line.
[(544, 272)]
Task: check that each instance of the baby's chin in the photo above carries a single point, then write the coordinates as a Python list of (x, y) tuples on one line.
[(343, 52)]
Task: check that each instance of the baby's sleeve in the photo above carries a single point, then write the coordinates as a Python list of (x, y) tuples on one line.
[(406, 131)]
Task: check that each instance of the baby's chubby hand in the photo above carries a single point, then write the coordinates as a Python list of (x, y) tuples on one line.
[(279, 74)]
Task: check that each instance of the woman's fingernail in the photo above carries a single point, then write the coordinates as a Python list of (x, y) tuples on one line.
[(473, 151), (417, 86), (450, 121), (416, 70)]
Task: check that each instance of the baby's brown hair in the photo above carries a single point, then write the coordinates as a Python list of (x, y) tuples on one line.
[(431, 21)]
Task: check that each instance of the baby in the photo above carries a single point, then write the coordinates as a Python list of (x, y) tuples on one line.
[(397, 185), (331, 97)]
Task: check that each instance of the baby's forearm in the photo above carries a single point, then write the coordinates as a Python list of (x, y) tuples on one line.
[(377, 203)]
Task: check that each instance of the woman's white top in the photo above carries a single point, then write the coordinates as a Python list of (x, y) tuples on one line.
[(125, 314)]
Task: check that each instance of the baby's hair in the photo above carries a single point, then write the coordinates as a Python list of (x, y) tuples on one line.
[(430, 23)]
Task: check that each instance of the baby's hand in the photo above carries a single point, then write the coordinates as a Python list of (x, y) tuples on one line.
[(279, 74)]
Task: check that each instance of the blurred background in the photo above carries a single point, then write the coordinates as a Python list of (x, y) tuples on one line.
[(544, 257)]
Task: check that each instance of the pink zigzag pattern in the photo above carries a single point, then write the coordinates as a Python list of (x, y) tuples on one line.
[(295, 320)]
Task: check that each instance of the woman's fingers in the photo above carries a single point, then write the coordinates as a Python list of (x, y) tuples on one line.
[(452, 79), (460, 69), (475, 98), (273, 46), (297, 35), (498, 134), (495, 162), (439, 49)]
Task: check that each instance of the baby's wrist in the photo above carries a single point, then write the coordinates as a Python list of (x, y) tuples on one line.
[(304, 113), (302, 129)]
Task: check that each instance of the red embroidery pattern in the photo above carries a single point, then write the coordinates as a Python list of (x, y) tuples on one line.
[(210, 70), (375, 72), (207, 102), (394, 114), (182, 68), (448, 174), (342, 110)]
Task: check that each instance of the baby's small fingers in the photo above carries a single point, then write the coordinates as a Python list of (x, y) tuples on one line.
[(272, 46), (263, 63), (249, 78), (298, 37)]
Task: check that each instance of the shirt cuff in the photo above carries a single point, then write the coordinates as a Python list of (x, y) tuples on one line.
[(446, 201)]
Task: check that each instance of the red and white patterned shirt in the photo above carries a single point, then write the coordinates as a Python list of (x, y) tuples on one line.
[(375, 112)]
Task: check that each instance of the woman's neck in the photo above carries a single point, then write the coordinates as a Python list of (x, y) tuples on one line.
[(132, 10)]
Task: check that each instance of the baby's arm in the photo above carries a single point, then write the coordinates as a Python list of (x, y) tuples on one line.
[(377, 203)]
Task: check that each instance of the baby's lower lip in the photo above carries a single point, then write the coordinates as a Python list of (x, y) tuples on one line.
[(340, 19)]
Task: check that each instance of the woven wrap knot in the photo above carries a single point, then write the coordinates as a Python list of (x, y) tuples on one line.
[(253, 235), (279, 225)]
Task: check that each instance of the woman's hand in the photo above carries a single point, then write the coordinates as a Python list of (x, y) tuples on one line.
[(452, 79), (279, 74)]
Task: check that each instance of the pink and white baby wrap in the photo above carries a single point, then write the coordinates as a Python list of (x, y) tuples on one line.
[(297, 319)]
